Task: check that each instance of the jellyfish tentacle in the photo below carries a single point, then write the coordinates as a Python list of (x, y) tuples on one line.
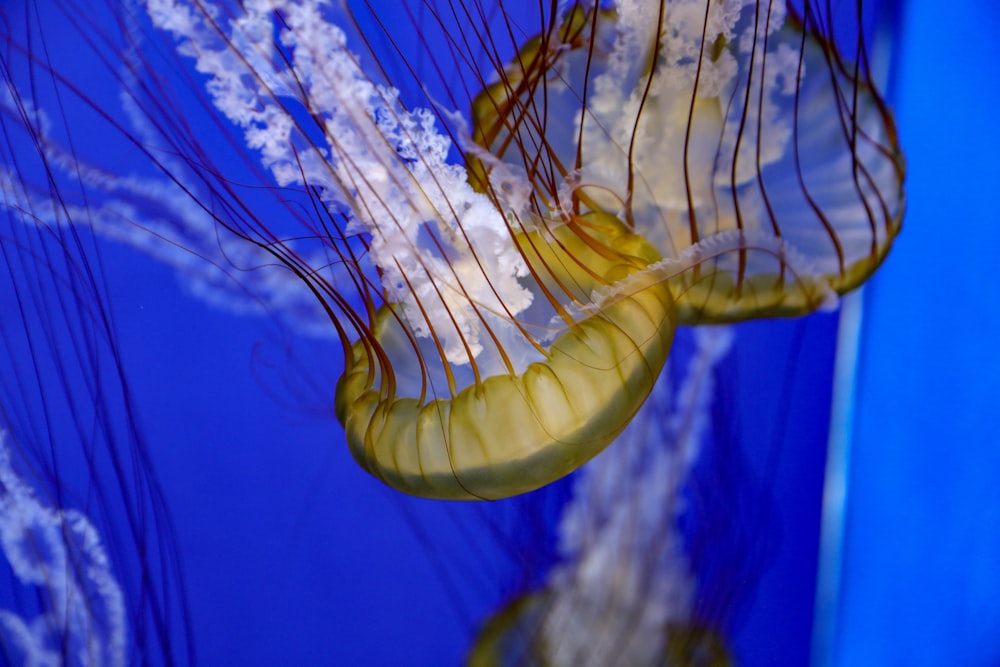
[(513, 433), (732, 165)]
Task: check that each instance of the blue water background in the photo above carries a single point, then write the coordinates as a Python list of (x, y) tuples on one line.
[(921, 579)]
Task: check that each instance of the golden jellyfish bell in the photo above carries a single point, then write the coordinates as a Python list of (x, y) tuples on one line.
[(515, 431), (664, 163), (730, 135)]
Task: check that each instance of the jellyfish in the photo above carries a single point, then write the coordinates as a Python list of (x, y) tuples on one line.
[(620, 180), (632, 168)]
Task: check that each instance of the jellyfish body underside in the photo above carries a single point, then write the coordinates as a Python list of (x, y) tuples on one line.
[(514, 433)]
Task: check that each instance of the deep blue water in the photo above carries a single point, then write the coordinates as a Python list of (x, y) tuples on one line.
[(921, 582)]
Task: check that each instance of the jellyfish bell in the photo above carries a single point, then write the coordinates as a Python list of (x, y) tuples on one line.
[(555, 414), (733, 132)]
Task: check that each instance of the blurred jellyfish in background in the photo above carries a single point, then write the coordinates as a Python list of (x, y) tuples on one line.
[(503, 289), (623, 591), (61, 553)]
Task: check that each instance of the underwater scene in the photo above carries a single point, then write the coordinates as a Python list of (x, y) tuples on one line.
[(443, 332)]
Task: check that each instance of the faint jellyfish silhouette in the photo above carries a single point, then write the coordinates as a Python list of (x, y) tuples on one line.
[(61, 553)]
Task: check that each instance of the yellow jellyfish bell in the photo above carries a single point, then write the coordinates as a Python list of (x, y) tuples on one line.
[(664, 163), (739, 140), (514, 432)]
